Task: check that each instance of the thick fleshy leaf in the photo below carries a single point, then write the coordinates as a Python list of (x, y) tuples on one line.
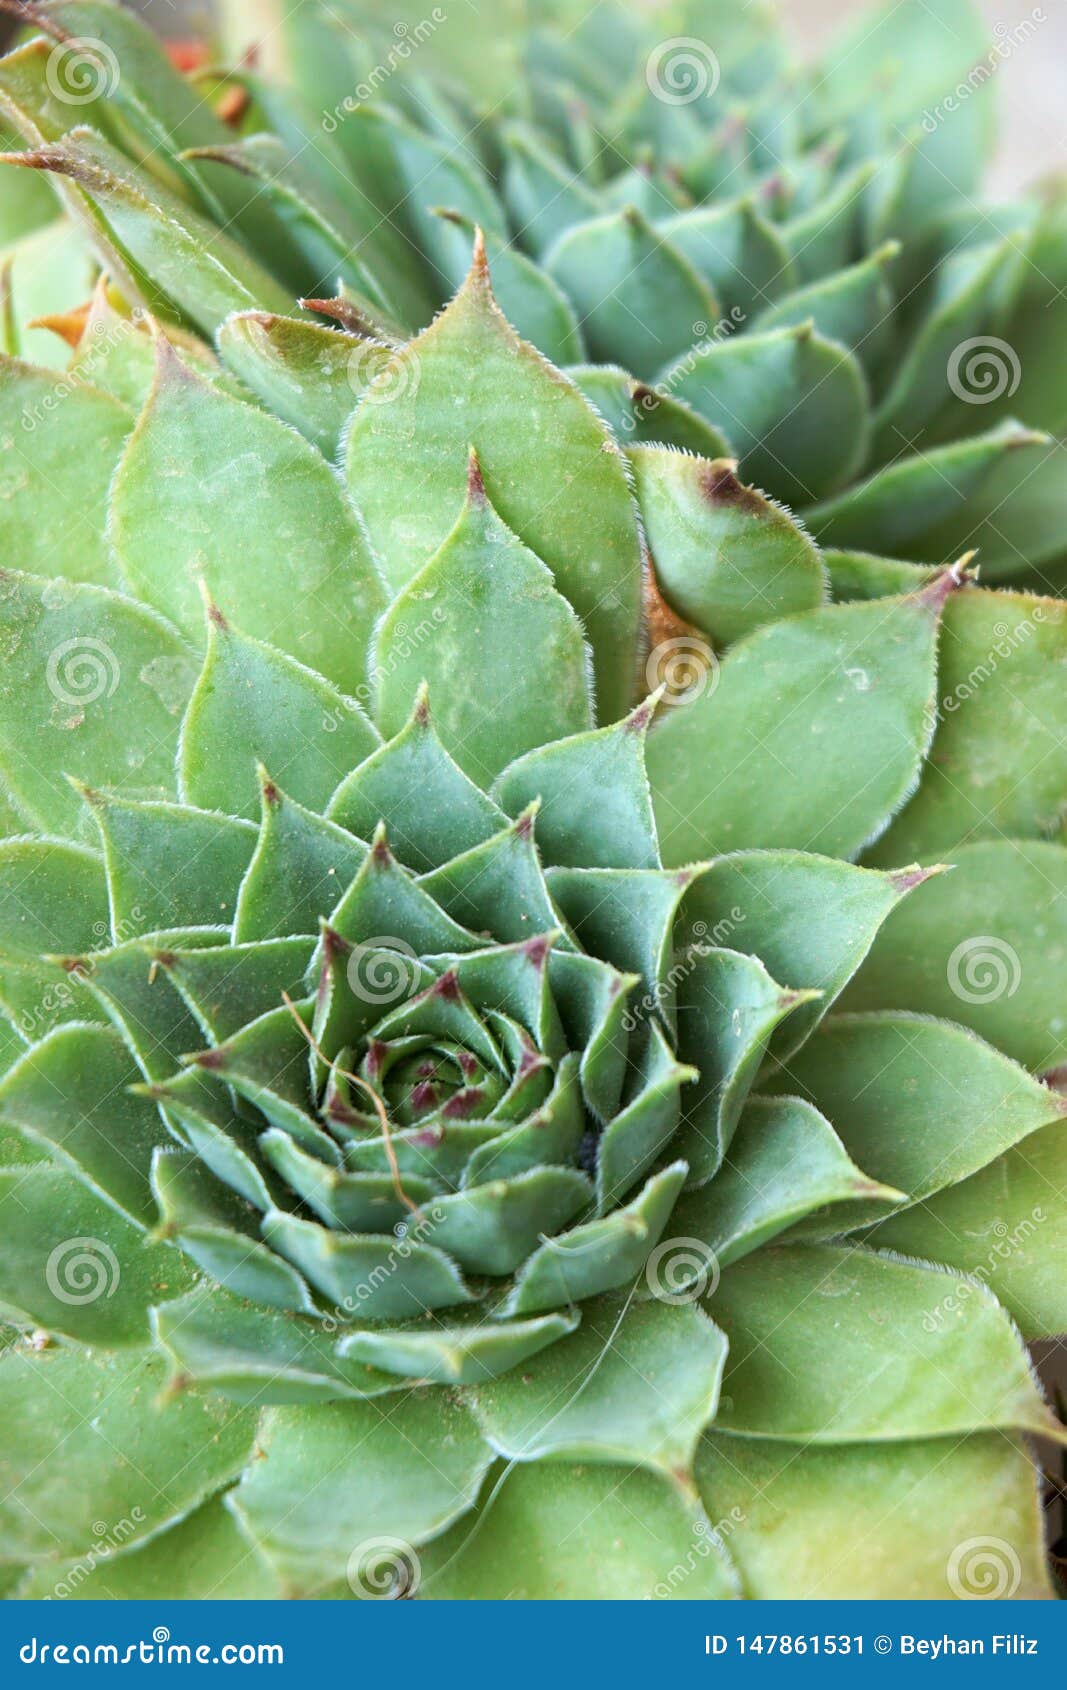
[(638, 298), (497, 887), (70, 1093), (432, 810), (983, 945), (126, 1455), (784, 1161), (307, 733), (317, 1516), (71, 1264), (763, 903), (793, 405), (637, 413), (451, 620), (187, 506), (530, 299), (300, 865), (728, 1009), (919, 1104), (127, 983), (586, 1532), (201, 1558), (998, 765), (458, 1351), (93, 687), (953, 1518), (258, 1355), (930, 506), (62, 443), (544, 198), (839, 1346), (169, 865), (380, 1277), (851, 307), (811, 737), (550, 469), (736, 252), (726, 558), (492, 1228), (595, 805), (638, 1382), (602, 1254), (1005, 1226), (53, 897), (306, 373)]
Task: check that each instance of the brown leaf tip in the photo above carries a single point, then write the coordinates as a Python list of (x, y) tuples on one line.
[(720, 485), (421, 713), (475, 483), (380, 854), (937, 592), (447, 987), (537, 949), (463, 1103), (210, 1058)]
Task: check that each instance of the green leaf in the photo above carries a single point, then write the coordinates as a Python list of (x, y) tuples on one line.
[(432, 810), (93, 686), (258, 1355), (70, 1093), (637, 413), (71, 1264), (637, 1383), (254, 705), (784, 1161), (169, 865), (126, 1455), (793, 404), (638, 298), (839, 1346), (498, 887), (493, 1228), (863, 575), (919, 1104), (450, 621), (203, 1557), (306, 373), (1005, 1227), (463, 1351), (550, 469), (728, 1009), (810, 736), (544, 198), (125, 980), (602, 1254), (737, 254), (300, 866), (851, 307), (376, 1276), (180, 259), (226, 986), (983, 945), (726, 558), (810, 920), (63, 439), (68, 907), (955, 1518), (998, 766), (928, 507), (190, 504), (317, 1516), (586, 1532), (595, 805), (530, 299)]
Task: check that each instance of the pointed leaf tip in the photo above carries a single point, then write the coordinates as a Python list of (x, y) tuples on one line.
[(476, 493), (936, 593)]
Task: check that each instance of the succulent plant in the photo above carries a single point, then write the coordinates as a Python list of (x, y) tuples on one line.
[(501, 1094), (728, 252)]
